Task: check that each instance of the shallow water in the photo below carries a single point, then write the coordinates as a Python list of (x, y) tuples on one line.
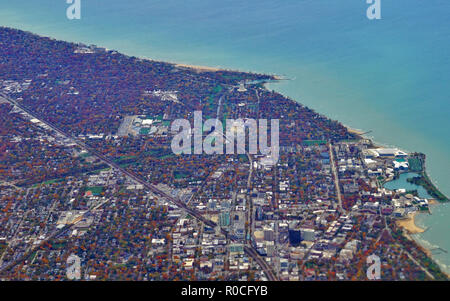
[(402, 182)]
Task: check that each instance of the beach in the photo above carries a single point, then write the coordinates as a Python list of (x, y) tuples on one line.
[(432, 202), (322, 48), (199, 68), (409, 224)]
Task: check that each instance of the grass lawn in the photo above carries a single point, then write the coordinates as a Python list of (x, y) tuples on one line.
[(96, 190)]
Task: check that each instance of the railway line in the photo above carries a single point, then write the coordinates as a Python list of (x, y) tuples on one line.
[(249, 250)]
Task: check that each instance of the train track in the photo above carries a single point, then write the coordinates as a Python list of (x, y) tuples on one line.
[(249, 250)]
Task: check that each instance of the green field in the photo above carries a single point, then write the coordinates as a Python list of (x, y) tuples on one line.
[(49, 182), (217, 89), (415, 164), (180, 175), (160, 153), (158, 117), (85, 155), (144, 131), (314, 142)]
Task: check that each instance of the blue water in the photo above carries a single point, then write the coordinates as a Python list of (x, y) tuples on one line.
[(390, 76), (436, 235)]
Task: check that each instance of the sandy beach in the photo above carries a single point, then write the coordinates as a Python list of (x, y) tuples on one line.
[(433, 202), (215, 69), (409, 224)]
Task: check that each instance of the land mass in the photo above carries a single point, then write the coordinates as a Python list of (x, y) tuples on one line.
[(87, 169)]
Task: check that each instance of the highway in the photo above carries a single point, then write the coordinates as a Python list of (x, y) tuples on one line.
[(249, 250)]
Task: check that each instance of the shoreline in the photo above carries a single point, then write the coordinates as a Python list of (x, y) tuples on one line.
[(410, 228), (409, 224), (199, 68), (354, 131), (433, 202)]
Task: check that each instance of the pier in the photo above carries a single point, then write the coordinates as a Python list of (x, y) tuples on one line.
[(438, 250)]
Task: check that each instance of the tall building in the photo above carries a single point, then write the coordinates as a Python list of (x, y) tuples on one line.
[(269, 235), (294, 237), (224, 219)]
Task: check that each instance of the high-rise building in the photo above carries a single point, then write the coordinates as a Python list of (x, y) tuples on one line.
[(295, 237), (269, 235)]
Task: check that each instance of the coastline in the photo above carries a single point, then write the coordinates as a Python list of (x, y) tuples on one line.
[(408, 223), (354, 131), (433, 202), (199, 69), (202, 69), (411, 228)]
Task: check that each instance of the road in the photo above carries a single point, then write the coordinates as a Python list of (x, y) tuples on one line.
[(336, 179), (249, 250)]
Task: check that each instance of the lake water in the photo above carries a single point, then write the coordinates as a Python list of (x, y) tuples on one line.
[(402, 182), (436, 235), (390, 76)]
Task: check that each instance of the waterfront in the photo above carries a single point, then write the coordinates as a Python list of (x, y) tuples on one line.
[(436, 237), (429, 230), (390, 77), (402, 182)]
